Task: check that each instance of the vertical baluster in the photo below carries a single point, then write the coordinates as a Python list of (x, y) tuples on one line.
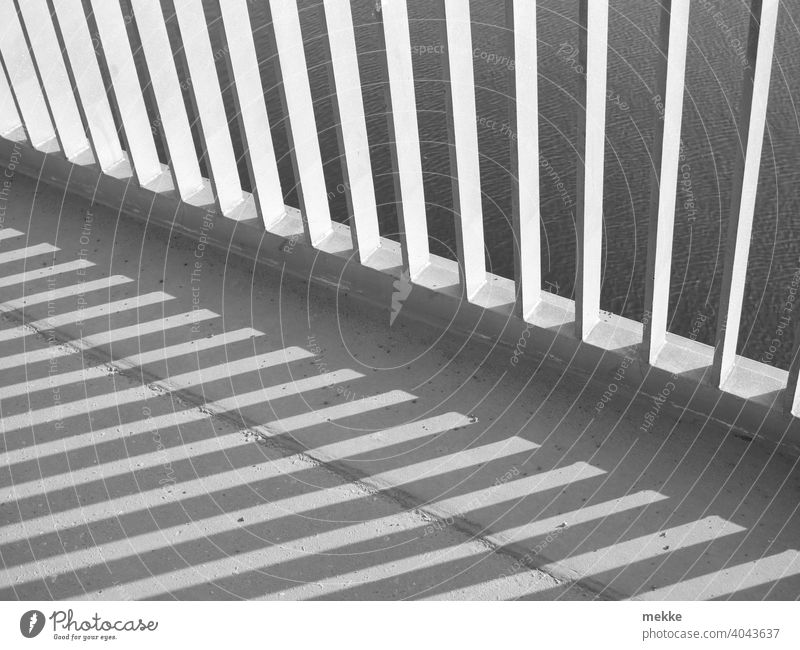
[(674, 30), (791, 396), (750, 126), (52, 74), (126, 87), (9, 116), (352, 128), (84, 71), (593, 46), (404, 136), (524, 126), (302, 126), (251, 111), (169, 101), (213, 123), (22, 77), (463, 143)]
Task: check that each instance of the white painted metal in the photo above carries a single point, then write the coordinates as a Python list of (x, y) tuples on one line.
[(252, 112), (22, 77), (47, 58), (205, 88), (86, 77), (404, 137), (9, 116), (463, 135), (751, 123), (126, 87), (169, 101), (352, 128), (666, 158), (524, 127), (593, 27), (306, 155)]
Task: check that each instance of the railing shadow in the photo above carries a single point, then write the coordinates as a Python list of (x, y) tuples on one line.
[(172, 438)]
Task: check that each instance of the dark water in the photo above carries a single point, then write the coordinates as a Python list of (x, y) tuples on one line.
[(714, 79)]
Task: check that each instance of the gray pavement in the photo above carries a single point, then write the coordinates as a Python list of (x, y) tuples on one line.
[(179, 424)]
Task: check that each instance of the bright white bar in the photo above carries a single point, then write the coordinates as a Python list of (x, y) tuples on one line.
[(404, 137), (256, 135), (337, 411), (9, 116), (732, 579), (75, 289), (519, 488), (49, 521), (647, 547), (674, 31), (169, 100), (401, 434), (302, 130), (55, 79), (463, 135), (213, 122), (160, 325), (22, 77), (88, 373), (188, 380), (524, 123), (9, 233), (750, 125), (591, 100), (43, 272), (584, 515), (125, 81), (352, 128), (375, 442), (91, 90), (399, 567), (81, 315), (180, 418), (553, 526), (324, 541), (24, 253)]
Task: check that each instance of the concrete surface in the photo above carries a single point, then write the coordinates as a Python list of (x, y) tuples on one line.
[(179, 424)]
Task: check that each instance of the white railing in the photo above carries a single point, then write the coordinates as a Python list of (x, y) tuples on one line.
[(53, 91)]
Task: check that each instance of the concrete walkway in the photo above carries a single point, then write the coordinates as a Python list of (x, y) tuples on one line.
[(179, 424)]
